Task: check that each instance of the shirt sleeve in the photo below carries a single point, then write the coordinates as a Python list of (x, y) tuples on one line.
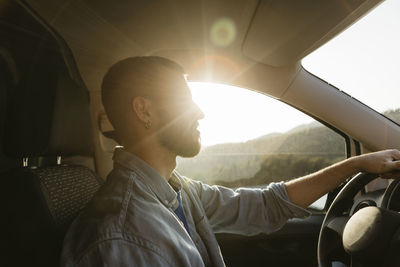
[(121, 253), (247, 211)]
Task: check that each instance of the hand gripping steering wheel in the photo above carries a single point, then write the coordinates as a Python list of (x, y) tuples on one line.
[(370, 236)]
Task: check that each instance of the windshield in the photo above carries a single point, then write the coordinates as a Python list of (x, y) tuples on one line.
[(363, 61), (234, 114)]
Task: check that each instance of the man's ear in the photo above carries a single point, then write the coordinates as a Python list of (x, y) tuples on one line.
[(141, 106)]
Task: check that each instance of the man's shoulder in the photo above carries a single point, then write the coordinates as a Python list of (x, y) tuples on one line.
[(194, 186), (187, 183), (143, 231), (116, 214), (122, 215)]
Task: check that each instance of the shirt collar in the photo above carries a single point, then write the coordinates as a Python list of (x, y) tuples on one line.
[(148, 175)]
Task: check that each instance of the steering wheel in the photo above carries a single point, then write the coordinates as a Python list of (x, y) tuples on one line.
[(366, 234)]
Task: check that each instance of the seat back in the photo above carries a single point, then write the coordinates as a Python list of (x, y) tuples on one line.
[(40, 203), (45, 118)]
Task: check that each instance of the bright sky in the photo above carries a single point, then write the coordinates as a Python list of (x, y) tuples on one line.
[(364, 60), (233, 114), (237, 115)]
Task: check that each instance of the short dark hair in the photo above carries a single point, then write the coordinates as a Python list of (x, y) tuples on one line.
[(147, 76)]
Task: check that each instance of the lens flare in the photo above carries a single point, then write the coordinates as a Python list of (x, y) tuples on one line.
[(223, 32)]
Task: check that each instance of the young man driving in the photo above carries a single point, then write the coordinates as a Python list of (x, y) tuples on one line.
[(146, 214)]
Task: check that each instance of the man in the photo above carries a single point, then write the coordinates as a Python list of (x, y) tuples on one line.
[(146, 214)]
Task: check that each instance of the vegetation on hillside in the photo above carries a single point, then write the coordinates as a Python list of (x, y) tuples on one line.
[(273, 157), (249, 163), (393, 114), (281, 167)]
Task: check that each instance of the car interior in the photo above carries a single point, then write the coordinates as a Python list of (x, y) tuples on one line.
[(56, 142)]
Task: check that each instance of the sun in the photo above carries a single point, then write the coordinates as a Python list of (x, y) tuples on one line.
[(234, 114)]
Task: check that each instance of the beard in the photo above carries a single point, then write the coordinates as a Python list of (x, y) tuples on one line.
[(180, 137)]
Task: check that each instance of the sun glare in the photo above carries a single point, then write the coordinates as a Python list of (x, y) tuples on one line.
[(234, 114)]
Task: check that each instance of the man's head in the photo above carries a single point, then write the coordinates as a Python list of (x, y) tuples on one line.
[(148, 97)]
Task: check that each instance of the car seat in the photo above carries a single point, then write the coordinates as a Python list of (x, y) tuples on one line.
[(45, 117)]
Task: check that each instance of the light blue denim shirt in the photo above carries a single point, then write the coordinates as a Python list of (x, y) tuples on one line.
[(131, 220)]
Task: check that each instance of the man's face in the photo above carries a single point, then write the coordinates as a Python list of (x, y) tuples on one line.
[(179, 117)]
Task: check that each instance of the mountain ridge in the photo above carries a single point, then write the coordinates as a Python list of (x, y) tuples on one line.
[(309, 146)]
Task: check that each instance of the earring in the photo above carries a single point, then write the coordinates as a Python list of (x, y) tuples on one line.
[(147, 124)]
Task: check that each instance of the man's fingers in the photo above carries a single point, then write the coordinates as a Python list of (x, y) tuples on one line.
[(382, 162), (396, 165), (391, 166), (396, 154)]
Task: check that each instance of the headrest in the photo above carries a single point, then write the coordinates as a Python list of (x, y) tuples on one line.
[(48, 110), (5, 86)]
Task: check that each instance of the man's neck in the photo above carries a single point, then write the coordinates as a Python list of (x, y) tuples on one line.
[(158, 157)]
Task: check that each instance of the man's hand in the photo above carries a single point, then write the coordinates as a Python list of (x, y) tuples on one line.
[(305, 190), (385, 163)]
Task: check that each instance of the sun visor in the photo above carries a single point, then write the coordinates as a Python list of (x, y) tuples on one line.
[(283, 32)]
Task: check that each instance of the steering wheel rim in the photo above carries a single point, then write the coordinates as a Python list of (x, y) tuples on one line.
[(334, 215)]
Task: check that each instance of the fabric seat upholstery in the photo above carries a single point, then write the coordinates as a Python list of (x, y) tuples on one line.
[(40, 204)]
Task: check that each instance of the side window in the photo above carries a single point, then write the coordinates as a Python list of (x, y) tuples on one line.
[(250, 139)]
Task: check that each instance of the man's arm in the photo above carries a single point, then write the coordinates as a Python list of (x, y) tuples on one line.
[(305, 190)]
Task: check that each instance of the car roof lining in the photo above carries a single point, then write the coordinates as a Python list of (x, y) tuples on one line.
[(100, 35)]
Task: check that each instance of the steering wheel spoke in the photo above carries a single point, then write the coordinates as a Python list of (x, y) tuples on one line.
[(337, 224), (331, 234)]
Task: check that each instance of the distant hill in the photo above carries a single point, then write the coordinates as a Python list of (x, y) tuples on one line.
[(272, 157), (238, 161), (279, 168)]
